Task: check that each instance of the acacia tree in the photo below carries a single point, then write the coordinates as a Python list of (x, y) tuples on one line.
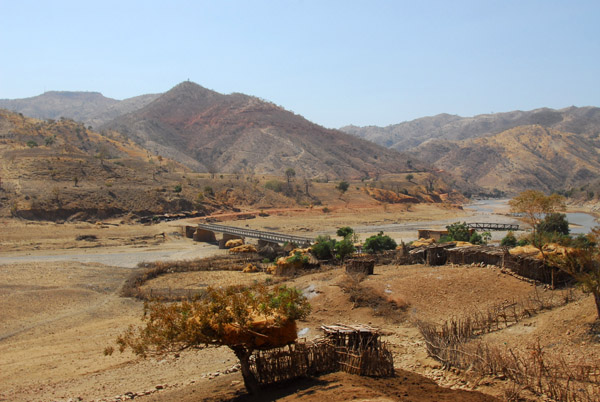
[(534, 205), (290, 173), (244, 319), (342, 187)]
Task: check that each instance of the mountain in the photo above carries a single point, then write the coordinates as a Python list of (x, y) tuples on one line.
[(403, 136), (209, 131), (91, 108), (525, 157)]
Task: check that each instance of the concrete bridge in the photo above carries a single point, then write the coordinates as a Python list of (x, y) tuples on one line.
[(493, 226), (206, 232)]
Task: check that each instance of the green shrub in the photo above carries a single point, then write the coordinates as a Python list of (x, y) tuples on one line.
[(509, 240), (522, 242), (476, 238), (345, 231), (298, 257), (177, 188), (32, 144), (378, 243), (324, 248), (343, 249), (459, 231)]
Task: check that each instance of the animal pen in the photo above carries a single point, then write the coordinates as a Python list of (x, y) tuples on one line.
[(353, 349), (522, 265)]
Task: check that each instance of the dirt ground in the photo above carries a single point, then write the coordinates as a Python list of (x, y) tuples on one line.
[(58, 316)]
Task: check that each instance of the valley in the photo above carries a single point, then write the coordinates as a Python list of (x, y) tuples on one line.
[(94, 191)]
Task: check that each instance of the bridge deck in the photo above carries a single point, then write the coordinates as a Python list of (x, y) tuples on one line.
[(493, 226), (256, 234)]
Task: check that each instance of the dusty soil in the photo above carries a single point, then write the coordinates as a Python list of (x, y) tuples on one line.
[(58, 316)]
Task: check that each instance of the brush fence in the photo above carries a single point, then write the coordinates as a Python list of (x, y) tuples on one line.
[(352, 349)]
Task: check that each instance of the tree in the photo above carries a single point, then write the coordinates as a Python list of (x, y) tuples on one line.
[(244, 319), (378, 243), (342, 187), (410, 177), (345, 232), (324, 248), (344, 248), (290, 174), (554, 223), (534, 205), (459, 231)]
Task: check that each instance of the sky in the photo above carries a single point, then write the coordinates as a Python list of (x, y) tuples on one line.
[(336, 63)]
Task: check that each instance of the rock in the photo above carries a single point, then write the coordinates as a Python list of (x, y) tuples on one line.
[(159, 386)]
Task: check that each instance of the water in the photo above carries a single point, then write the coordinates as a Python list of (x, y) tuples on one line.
[(580, 222)]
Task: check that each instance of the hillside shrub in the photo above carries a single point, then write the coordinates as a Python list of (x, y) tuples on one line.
[(274, 185)]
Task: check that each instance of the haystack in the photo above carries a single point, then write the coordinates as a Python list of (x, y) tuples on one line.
[(462, 244), (246, 248), (250, 268), (234, 243), (423, 242)]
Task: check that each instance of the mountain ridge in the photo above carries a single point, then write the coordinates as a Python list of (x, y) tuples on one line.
[(410, 134), (209, 131)]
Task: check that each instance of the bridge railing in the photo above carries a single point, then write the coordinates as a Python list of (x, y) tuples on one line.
[(256, 234), (493, 226)]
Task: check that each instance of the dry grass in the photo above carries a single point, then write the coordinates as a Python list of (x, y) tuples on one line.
[(365, 296)]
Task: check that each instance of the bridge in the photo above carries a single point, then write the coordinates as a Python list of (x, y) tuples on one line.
[(255, 234), (493, 226)]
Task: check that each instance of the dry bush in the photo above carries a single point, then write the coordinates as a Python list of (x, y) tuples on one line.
[(365, 296)]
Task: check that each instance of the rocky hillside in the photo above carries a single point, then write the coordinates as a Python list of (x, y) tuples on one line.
[(520, 158), (403, 136), (211, 132), (90, 108), (60, 169)]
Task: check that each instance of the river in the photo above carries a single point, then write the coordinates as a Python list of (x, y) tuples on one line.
[(579, 222)]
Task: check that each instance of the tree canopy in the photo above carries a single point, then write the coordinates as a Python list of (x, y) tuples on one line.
[(244, 319)]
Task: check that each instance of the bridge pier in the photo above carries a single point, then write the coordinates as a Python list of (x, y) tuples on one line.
[(205, 236), (226, 237)]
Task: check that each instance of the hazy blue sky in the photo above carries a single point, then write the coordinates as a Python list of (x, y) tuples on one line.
[(334, 62)]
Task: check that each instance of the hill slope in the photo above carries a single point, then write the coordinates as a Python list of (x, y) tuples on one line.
[(403, 136), (57, 169), (209, 131), (91, 108), (517, 159)]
